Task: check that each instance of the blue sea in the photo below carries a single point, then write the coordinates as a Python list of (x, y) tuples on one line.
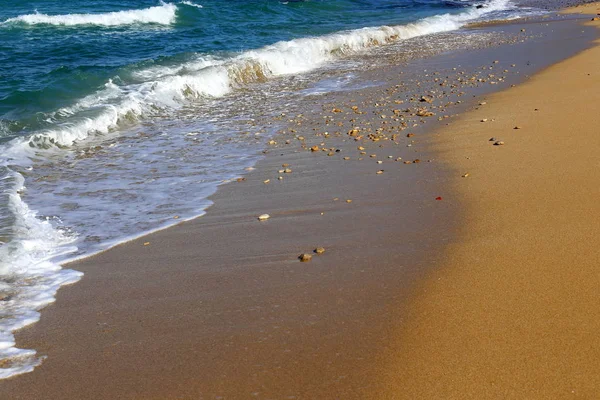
[(118, 118)]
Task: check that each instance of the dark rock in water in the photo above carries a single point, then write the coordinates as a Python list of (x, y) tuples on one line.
[(479, 6)]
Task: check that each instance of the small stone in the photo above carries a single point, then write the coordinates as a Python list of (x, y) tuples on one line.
[(517, 127), (407, 162), (320, 250), (240, 179), (264, 217), (410, 134), (285, 165), (315, 148), (266, 181), (280, 178), (379, 162), (465, 175), (348, 201), (380, 172), (416, 161), (499, 143), (305, 257), (176, 217), (146, 243), (484, 120), (493, 139), (346, 158), (287, 171)]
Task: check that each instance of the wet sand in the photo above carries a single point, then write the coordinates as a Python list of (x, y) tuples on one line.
[(220, 307), (513, 310)]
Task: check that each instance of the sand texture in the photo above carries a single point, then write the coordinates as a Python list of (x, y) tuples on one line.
[(515, 310)]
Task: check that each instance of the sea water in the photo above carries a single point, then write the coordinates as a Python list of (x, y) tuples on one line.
[(120, 118)]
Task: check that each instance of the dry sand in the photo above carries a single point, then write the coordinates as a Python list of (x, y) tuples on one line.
[(221, 308), (514, 311)]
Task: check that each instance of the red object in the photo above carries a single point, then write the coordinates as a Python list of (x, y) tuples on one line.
[(438, 198)]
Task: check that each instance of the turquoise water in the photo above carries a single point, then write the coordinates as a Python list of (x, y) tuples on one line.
[(117, 117)]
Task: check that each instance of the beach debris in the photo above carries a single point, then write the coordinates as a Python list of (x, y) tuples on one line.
[(264, 217), (499, 143), (438, 198), (305, 257), (146, 243), (423, 112), (320, 250)]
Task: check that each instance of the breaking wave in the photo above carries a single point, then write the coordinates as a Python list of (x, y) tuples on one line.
[(164, 14)]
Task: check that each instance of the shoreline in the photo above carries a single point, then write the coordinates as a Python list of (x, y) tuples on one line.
[(302, 213)]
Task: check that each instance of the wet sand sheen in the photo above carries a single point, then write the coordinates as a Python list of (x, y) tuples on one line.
[(221, 308)]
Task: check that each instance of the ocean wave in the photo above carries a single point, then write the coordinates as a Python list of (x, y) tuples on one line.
[(164, 14), (209, 77)]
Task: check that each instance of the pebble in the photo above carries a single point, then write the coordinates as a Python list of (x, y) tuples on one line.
[(305, 257), (517, 127), (484, 120), (499, 143), (380, 172), (266, 181), (465, 175), (379, 162), (264, 217), (320, 250), (287, 171)]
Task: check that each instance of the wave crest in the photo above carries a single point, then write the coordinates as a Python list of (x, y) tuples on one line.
[(164, 14)]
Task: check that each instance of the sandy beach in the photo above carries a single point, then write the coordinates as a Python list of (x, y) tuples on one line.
[(513, 311), (455, 266)]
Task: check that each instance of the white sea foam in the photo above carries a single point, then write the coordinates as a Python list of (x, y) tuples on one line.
[(30, 278), (164, 14), (189, 3)]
